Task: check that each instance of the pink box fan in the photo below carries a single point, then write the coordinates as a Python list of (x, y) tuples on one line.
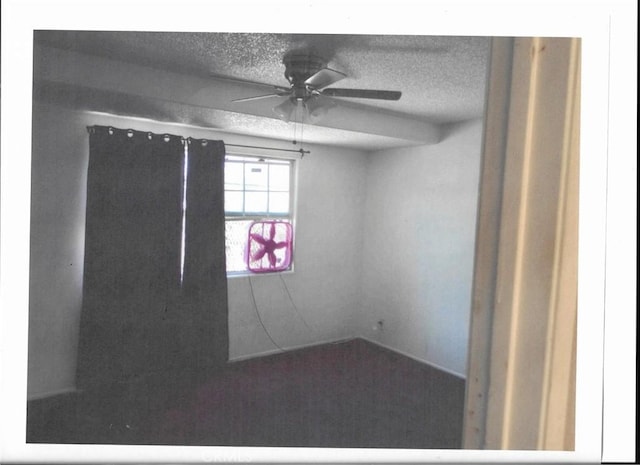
[(269, 246)]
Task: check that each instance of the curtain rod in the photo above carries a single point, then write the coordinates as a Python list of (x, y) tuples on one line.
[(301, 151)]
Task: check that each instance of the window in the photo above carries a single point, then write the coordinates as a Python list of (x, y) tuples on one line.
[(255, 189)]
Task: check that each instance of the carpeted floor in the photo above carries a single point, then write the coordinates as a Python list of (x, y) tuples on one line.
[(350, 394)]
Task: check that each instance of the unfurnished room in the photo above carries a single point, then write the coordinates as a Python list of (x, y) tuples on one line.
[(291, 240)]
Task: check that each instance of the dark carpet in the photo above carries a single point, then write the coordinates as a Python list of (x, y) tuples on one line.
[(349, 394)]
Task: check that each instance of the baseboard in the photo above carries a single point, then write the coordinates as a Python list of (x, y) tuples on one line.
[(342, 340), (267, 353), (417, 359), (57, 392)]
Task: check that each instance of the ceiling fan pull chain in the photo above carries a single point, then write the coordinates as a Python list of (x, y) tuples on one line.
[(295, 127)]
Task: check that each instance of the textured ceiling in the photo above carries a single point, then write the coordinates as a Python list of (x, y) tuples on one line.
[(442, 78)]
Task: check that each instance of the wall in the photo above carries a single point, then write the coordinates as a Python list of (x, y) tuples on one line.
[(387, 235), (418, 245), (58, 199), (324, 287)]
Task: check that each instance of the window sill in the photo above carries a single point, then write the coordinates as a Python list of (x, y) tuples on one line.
[(245, 274)]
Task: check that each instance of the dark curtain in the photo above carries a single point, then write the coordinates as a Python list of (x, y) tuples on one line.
[(140, 316), (204, 286)]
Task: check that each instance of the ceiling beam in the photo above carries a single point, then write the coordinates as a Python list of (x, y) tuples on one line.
[(161, 89)]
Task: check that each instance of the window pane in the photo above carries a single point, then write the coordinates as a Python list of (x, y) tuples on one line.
[(279, 202), (259, 189), (233, 176), (236, 235), (279, 178), (233, 202), (255, 176), (255, 202)]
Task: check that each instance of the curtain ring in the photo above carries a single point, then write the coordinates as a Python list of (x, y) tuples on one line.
[(110, 130), (167, 137), (130, 133), (204, 142), (149, 135)]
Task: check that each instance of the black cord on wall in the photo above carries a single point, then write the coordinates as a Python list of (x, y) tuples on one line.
[(255, 306), (293, 304)]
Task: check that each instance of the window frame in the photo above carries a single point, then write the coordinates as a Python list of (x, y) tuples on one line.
[(231, 216)]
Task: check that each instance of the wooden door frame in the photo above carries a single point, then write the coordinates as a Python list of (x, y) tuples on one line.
[(522, 348)]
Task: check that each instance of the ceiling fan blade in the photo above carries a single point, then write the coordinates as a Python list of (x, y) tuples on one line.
[(363, 93), (246, 81), (324, 77), (260, 97)]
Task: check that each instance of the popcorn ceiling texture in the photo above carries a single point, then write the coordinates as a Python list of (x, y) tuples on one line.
[(442, 78)]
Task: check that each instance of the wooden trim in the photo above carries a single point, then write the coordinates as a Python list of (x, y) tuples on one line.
[(559, 385), (487, 241), (524, 299)]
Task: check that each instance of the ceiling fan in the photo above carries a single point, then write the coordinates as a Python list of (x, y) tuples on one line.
[(307, 93)]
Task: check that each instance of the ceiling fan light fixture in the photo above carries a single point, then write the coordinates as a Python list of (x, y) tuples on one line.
[(285, 110), (317, 109)]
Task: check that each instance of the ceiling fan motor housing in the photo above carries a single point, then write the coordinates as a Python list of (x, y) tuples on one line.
[(299, 68)]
